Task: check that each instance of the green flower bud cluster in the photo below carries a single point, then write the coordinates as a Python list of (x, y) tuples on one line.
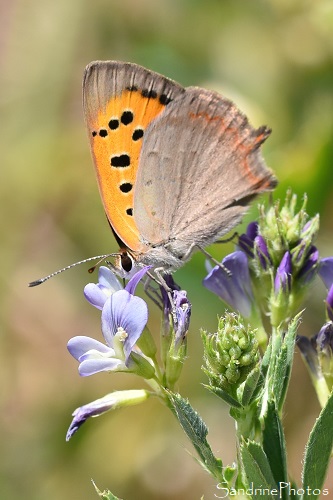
[(230, 353), (287, 230)]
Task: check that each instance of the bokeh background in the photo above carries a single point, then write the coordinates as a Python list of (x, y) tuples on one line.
[(275, 59)]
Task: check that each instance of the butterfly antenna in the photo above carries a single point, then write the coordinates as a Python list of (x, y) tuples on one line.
[(100, 257)]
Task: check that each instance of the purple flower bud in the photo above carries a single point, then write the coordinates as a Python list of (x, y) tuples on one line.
[(307, 226), (235, 289), (283, 274), (109, 402), (324, 339), (318, 356), (246, 240), (166, 304), (325, 271), (252, 230), (310, 265), (309, 353), (262, 251), (182, 315), (167, 307)]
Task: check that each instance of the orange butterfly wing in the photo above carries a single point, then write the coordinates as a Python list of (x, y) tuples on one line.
[(120, 101)]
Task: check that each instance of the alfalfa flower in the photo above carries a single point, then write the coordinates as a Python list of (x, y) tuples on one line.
[(124, 317)]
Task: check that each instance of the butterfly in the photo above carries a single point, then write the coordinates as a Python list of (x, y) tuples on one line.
[(176, 167)]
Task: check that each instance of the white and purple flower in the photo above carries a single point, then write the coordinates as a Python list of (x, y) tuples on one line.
[(124, 317)]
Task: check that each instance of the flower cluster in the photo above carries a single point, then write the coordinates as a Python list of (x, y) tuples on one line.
[(272, 268), (275, 262)]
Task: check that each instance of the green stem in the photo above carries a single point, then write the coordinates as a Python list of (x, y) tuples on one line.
[(322, 390)]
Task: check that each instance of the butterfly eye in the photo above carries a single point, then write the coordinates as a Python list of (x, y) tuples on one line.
[(126, 261)]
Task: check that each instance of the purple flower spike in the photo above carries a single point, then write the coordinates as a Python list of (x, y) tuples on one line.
[(235, 289), (326, 271), (262, 251), (124, 316), (283, 274), (107, 284), (246, 240)]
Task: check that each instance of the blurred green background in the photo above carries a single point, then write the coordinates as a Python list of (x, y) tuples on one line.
[(274, 58)]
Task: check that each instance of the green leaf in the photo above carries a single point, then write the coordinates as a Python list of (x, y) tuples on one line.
[(284, 363), (223, 395), (293, 491), (266, 359), (257, 470), (196, 430), (280, 364), (318, 450), (106, 494), (249, 387), (275, 447)]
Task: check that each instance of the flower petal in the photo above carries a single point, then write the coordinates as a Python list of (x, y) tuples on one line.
[(252, 230), (329, 303), (133, 282), (107, 284), (262, 251), (309, 269), (326, 271), (108, 279), (128, 312), (309, 354), (78, 346), (95, 295), (283, 274), (246, 240), (235, 289), (92, 366), (182, 315)]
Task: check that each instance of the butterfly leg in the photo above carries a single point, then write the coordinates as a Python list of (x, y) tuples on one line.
[(159, 273), (227, 240), (210, 257), (151, 292), (216, 262)]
